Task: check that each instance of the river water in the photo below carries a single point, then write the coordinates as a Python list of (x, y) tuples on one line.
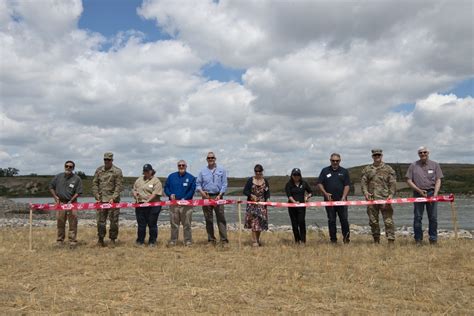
[(403, 213)]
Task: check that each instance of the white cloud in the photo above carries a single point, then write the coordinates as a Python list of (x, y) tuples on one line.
[(320, 77)]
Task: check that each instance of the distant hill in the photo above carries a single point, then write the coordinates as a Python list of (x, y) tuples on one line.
[(459, 178)]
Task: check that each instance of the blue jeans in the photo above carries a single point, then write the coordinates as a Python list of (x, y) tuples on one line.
[(147, 216), (432, 210)]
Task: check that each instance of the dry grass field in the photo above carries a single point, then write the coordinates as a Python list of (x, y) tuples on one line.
[(278, 278)]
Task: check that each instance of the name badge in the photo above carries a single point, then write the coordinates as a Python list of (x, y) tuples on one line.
[(185, 184), (328, 175), (430, 171), (71, 185), (150, 185)]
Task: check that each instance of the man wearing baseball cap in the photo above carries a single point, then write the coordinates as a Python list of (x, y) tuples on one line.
[(106, 188)]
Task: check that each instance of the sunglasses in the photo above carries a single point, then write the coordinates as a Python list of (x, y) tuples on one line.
[(333, 160), (376, 155), (422, 153), (211, 158), (181, 166), (69, 167), (107, 159)]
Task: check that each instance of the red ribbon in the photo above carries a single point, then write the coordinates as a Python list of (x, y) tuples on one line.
[(98, 206)]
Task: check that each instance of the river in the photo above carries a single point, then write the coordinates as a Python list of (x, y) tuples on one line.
[(403, 213)]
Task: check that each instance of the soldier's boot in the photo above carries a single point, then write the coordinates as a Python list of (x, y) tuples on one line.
[(101, 242), (376, 239), (112, 243), (391, 242)]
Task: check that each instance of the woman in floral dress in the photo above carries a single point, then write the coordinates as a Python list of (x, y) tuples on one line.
[(256, 218)]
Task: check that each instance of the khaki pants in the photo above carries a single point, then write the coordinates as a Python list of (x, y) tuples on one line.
[(113, 215), (71, 217), (181, 214), (387, 214)]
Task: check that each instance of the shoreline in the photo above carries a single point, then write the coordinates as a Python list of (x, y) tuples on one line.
[(403, 231)]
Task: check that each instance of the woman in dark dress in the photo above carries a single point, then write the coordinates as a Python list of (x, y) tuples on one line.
[(256, 217), (298, 191)]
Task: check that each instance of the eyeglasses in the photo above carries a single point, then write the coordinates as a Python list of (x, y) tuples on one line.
[(334, 160), (211, 158), (107, 159), (69, 167), (181, 166), (422, 153)]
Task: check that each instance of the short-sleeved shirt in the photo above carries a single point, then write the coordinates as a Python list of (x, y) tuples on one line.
[(145, 188), (66, 187), (298, 191), (424, 175), (334, 181)]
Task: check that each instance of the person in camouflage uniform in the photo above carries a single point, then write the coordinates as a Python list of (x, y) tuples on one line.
[(106, 188), (379, 183)]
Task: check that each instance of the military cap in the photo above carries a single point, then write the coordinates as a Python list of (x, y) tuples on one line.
[(108, 155), (376, 151)]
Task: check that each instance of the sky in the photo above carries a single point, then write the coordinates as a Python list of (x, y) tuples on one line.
[(279, 83)]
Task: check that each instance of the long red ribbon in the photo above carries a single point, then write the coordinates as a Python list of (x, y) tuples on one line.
[(98, 206)]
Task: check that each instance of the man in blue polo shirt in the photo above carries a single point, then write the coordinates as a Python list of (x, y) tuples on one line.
[(180, 185), (334, 183)]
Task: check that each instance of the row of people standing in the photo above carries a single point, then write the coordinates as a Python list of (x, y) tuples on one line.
[(378, 182)]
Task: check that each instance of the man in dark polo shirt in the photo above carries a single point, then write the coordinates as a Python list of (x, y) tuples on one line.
[(334, 183), (65, 188), (424, 177)]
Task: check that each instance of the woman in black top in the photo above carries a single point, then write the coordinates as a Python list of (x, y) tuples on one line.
[(298, 191)]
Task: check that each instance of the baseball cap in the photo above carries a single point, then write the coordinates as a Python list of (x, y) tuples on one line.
[(108, 155), (147, 167), (296, 172), (377, 151)]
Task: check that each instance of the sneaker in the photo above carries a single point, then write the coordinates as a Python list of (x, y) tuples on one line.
[(139, 244), (418, 243), (171, 244), (59, 243), (188, 244), (255, 244), (72, 244), (152, 245)]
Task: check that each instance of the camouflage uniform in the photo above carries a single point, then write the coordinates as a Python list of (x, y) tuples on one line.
[(381, 183), (106, 186)]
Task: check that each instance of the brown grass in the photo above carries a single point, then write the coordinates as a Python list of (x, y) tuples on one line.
[(280, 277)]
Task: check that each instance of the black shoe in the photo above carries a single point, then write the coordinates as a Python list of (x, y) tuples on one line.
[(376, 240), (101, 242)]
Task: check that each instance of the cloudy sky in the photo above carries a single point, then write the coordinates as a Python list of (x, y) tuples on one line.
[(281, 83)]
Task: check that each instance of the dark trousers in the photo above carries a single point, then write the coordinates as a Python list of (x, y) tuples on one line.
[(341, 211), (147, 216), (298, 223)]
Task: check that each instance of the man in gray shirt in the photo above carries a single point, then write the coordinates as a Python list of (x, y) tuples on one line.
[(424, 177), (65, 188)]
